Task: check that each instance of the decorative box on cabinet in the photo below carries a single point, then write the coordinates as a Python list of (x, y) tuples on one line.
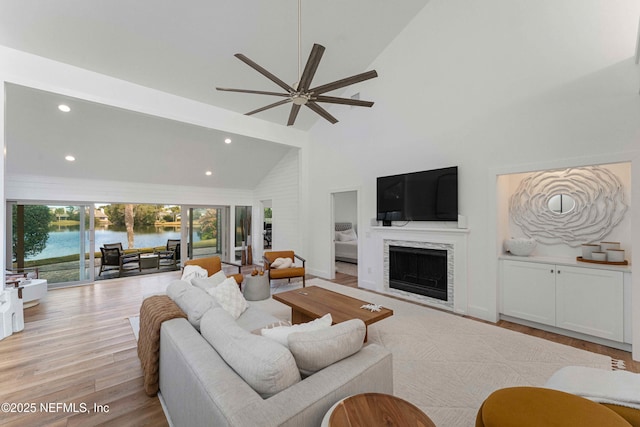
[(585, 300)]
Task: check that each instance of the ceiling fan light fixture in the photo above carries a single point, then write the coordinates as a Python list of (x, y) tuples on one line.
[(300, 99), (301, 93)]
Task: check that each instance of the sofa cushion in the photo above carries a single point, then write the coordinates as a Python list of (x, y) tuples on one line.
[(255, 318), (281, 333), (228, 295), (315, 350), (209, 282), (282, 263), (193, 301), (264, 364)]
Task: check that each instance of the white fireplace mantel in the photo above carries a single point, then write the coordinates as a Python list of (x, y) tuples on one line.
[(455, 237)]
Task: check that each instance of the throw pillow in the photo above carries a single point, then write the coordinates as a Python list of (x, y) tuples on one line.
[(277, 262), (282, 263), (265, 365), (209, 282), (193, 271), (281, 333), (347, 235), (318, 349), (193, 301), (228, 295), (271, 326)]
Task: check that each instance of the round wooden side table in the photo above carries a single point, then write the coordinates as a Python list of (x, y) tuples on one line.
[(375, 410)]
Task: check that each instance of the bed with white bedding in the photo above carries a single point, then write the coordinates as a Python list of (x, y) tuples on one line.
[(346, 242)]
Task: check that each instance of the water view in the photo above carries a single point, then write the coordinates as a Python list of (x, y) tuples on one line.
[(64, 240)]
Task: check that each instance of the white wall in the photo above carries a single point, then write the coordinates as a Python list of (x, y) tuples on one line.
[(345, 207), (488, 87), (282, 187)]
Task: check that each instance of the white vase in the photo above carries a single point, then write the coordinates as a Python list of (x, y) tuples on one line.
[(520, 246)]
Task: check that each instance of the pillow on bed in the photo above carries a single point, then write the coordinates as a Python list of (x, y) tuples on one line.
[(346, 235)]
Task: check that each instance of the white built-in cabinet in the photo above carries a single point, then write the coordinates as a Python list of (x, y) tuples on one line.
[(581, 299)]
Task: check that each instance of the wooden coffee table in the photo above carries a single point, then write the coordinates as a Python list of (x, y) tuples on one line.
[(375, 410), (314, 302)]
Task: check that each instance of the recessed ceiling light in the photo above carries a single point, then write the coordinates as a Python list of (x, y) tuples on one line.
[(227, 141), (70, 158), (64, 108), (208, 173)]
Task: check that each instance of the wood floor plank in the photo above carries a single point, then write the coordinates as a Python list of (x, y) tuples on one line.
[(78, 348)]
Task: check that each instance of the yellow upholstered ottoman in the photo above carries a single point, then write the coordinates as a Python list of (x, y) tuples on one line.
[(542, 407)]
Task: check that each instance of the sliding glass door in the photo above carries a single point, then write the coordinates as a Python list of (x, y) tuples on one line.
[(57, 239), (206, 233)]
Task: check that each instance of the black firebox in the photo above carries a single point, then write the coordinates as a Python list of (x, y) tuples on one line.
[(420, 271)]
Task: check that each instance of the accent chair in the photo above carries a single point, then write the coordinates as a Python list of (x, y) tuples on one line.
[(283, 273), (213, 264)]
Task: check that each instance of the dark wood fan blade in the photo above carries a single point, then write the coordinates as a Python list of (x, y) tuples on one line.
[(275, 104), (257, 92), (310, 68), (344, 82), (264, 72), (322, 112), (345, 101), (295, 108)]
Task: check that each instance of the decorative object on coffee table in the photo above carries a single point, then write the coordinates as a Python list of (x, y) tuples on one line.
[(375, 410)]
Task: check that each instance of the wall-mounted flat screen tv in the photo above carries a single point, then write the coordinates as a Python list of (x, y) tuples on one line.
[(419, 196)]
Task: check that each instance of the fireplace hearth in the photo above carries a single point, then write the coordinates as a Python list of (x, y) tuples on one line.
[(422, 271)]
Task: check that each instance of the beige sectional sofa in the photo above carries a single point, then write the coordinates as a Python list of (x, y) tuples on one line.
[(215, 372)]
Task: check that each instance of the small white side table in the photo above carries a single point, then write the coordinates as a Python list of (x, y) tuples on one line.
[(256, 288), (34, 290)]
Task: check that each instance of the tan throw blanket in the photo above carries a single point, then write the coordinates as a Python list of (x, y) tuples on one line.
[(155, 310)]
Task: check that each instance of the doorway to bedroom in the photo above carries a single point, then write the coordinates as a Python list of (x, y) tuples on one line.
[(345, 226)]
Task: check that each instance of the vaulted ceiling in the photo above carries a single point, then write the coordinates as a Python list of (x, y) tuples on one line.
[(184, 49)]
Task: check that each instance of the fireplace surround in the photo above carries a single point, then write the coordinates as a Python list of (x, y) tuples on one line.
[(451, 240)]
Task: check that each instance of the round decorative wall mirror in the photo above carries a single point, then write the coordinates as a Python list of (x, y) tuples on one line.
[(561, 204)]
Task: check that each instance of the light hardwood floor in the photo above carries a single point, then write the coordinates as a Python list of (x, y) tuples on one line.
[(78, 348)]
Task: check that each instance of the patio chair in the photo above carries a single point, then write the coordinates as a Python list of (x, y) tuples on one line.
[(171, 255), (113, 256), (283, 273)]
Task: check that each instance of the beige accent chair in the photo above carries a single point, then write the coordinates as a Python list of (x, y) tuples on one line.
[(283, 273)]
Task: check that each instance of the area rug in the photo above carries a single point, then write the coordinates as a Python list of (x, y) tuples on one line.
[(446, 364)]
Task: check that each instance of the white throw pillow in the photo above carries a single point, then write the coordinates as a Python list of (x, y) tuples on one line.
[(285, 263), (228, 295), (209, 282), (281, 333), (316, 350), (193, 271), (347, 235), (277, 262)]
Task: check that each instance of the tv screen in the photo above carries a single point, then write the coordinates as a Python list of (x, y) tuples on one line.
[(419, 196)]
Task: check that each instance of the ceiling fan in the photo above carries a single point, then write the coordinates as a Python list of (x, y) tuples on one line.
[(301, 93)]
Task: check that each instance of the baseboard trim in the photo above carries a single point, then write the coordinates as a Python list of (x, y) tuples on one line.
[(584, 337)]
